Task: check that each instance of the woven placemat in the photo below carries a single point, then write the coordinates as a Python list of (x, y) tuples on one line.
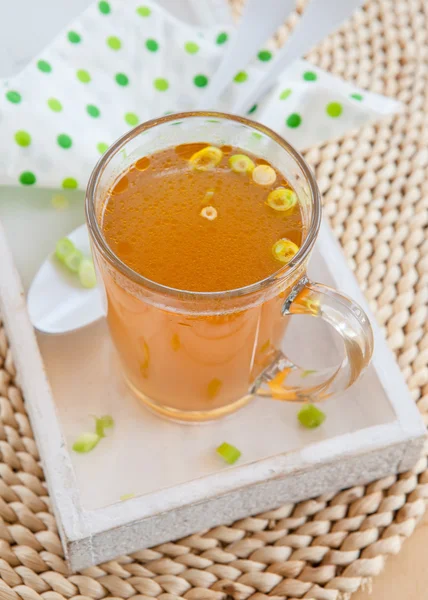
[(375, 186)]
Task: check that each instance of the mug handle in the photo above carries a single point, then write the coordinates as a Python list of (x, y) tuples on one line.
[(284, 380)]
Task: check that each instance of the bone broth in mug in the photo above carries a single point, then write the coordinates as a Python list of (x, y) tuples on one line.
[(196, 242)]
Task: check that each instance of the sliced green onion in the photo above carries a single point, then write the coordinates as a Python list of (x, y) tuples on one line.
[(213, 388), (72, 260), (103, 423), (310, 416), (265, 347), (87, 275), (240, 163), (86, 442), (67, 253), (127, 496), (59, 201), (307, 373), (282, 199), (284, 250), (208, 197), (209, 212), (206, 159), (228, 453), (175, 342), (64, 247), (264, 175)]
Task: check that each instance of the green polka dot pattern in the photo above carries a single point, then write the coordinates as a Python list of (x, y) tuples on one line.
[(200, 80), (69, 183), (144, 11), (44, 66), (14, 97), (191, 47), (93, 111), (161, 84), (104, 7), (241, 77), (131, 119), (64, 141), (122, 79), (112, 65), (54, 105), (23, 138), (293, 120), (83, 76), (152, 45), (264, 55), (102, 147), (114, 42), (74, 37), (59, 202), (27, 178), (334, 109), (310, 76)]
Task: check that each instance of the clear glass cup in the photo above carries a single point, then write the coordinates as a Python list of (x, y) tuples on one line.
[(195, 356)]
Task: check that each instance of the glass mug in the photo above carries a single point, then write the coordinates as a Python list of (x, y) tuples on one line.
[(195, 356)]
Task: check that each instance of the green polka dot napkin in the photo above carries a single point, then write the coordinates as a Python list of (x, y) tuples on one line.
[(125, 61)]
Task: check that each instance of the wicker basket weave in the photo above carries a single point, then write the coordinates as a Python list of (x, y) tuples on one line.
[(375, 186)]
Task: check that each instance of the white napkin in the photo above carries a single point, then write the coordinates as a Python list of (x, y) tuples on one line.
[(125, 61)]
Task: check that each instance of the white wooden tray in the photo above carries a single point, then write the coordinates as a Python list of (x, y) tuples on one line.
[(179, 483)]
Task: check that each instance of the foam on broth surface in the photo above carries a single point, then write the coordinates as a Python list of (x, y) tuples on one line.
[(158, 220)]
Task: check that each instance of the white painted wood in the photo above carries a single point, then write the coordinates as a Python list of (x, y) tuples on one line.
[(180, 484)]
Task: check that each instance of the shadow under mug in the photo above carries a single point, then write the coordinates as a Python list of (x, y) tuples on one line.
[(195, 356)]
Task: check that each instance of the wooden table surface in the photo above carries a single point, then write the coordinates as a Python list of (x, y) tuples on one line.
[(405, 576)]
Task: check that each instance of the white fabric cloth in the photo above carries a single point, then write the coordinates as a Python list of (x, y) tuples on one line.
[(125, 61)]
